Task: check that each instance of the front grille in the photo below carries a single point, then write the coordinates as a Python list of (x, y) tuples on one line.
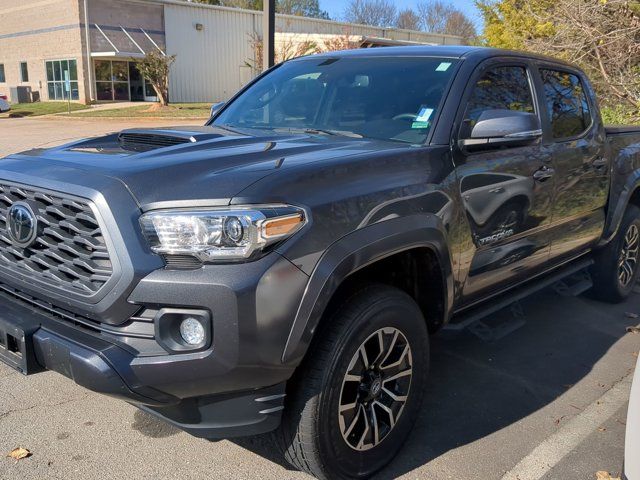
[(142, 142), (69, 253)]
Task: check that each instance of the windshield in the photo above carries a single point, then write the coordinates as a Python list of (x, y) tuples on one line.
[(388, 98)]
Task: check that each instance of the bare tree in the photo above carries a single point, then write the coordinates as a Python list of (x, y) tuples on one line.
[(459, 24), (287, 48), (339, 42), (436, 16), (379, 13), (408, 20), (603, 37)]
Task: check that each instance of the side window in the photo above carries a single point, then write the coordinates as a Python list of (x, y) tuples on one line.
[(502, 88), (567, 105)]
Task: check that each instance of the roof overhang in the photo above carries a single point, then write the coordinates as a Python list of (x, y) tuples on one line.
[(121, 55)]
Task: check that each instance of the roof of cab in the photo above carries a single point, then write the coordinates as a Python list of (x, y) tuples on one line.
[(448, 51)]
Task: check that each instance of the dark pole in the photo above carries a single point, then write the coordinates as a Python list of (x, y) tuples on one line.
[(268, 33)]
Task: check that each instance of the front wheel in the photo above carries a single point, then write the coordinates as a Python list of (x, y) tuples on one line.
[(356, 396), (615, 271)]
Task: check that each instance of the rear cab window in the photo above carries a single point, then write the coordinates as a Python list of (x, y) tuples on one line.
[(566, 103)]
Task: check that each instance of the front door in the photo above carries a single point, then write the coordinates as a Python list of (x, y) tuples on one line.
[(136, 83), (576, 143), (507, 204)]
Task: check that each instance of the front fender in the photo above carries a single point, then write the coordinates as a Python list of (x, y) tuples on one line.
[(355, 251)]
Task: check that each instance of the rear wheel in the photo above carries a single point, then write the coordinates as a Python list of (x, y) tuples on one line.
[(616, 269), (356, 396)]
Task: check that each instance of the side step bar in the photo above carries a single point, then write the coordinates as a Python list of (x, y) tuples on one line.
[(471, 315)]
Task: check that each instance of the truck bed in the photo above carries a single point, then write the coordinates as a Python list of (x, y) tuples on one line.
[(622, 129)]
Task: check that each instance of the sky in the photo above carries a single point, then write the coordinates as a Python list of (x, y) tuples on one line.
[(336, 8)]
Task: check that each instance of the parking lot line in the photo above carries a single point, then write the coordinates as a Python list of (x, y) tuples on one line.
[(552, 450)]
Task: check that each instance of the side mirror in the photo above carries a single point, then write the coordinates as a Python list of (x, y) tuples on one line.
[(500, 127), (215, 108)]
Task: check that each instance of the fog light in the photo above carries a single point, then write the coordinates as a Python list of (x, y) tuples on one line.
[(192, 331)]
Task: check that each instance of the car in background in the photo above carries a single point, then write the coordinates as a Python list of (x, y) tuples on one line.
[(4, 104), (632, 440)]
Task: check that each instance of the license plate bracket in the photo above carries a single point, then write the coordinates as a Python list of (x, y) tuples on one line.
[(16, 347)]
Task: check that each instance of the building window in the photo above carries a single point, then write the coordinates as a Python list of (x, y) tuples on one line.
[(24, 72), (57, 73), (2, 77)]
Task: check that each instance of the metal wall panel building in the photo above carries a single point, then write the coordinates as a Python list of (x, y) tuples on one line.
[(214, 51)]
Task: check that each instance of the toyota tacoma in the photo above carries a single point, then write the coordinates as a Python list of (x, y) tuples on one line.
[(282, 268)]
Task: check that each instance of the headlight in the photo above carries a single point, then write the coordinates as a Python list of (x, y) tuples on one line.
[(229, 234)]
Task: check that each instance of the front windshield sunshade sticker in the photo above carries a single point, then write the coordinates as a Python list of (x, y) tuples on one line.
[(422, 119), (443, 67)]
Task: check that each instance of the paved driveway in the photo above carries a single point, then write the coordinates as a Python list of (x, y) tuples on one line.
[(18, 134), (547, 401)]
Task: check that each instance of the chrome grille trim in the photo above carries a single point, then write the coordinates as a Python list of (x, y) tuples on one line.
[(70, 252)]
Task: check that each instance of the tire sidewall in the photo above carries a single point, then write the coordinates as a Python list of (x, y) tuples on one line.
[(393, 311)]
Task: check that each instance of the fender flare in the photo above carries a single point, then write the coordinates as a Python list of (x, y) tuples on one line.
[(619, 206), (355, 251)]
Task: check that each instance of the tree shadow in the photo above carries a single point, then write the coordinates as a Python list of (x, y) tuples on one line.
[(477, 387)]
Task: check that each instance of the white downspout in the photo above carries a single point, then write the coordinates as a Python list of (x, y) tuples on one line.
[(87, 37)]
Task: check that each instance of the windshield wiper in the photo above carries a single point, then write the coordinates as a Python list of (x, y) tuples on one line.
[(342, 133)]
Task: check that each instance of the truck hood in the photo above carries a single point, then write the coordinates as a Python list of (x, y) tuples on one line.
[(183, 165)]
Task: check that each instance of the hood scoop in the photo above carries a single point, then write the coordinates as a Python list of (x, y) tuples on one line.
[(144, 140)]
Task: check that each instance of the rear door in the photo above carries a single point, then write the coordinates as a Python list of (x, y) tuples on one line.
[(576, 142), (508, 211)]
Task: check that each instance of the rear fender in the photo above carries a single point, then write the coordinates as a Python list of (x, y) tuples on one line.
[(625, 182)]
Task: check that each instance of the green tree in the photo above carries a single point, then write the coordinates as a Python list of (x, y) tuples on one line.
[(511, 23), (155, 67)]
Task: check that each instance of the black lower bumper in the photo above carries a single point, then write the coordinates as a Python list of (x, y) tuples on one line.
[(32, 341)]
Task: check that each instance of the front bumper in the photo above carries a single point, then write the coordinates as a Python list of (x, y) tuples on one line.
[(234, 388)]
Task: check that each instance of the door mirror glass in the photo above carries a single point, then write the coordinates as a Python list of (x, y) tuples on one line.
[(215, 108), (502, 127)]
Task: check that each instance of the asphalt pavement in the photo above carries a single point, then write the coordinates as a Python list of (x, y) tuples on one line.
[(548, 401)]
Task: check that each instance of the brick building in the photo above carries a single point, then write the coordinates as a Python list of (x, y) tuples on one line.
[(45, 46)]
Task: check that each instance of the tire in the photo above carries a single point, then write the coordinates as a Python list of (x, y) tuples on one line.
[(314, 436), (615, 271)]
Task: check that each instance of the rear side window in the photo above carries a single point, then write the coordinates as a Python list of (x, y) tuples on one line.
[(502, 88), (567, 105)]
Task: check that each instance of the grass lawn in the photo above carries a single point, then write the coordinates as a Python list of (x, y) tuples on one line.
[(40, 108), (174, 110)]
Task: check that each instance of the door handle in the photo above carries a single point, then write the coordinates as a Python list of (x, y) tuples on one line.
[(599, 163), (497, 190), (543, 174)]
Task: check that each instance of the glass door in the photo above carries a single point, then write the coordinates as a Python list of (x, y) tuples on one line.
[(112, 80)]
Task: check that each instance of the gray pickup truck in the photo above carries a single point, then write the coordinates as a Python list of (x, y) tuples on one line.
[(282, 268)]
